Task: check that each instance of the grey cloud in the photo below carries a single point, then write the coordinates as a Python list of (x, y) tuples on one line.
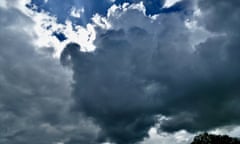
[(220, 16), (125, 82), (211, 99), (139, 71), (34, 90), (141, 68)]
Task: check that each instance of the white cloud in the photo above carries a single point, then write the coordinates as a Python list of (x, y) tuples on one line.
[(159, 137), (3, 4), (233, 131), (121, 17), (184, 137), (77, 34), (169, 3), (19, 4), (101, 21), (45, 25), (74, 33), (76, 12), (156, 136)]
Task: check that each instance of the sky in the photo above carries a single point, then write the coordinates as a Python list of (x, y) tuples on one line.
[(118, 71)]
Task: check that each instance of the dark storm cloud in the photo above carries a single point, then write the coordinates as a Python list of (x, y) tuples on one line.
[(220, 16), (103, 96), (138, 72), (212, 101), (123, 83), (34, 90)]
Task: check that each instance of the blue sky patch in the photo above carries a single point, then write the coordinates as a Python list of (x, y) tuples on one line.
[(63, 9)]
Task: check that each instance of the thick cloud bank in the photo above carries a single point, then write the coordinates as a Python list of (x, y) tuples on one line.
[(144, 66), (35, 90), (165, 76)]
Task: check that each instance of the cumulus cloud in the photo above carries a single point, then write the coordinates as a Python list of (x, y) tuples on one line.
[(35, 101), (50, 33), (159, 137), (124, 70), (126, 81), (213, 100), (148, 65)]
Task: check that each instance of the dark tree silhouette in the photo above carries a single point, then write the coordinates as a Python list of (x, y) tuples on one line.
[(206, 138)]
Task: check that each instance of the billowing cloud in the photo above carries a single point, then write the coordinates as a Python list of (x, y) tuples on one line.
[(123, 84), (35, 101), (213, 100), (149, 65), (122, 71)]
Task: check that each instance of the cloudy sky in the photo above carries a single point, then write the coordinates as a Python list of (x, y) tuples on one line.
[(118, 71)]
